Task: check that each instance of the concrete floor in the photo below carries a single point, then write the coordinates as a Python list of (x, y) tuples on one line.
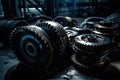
[(7, 59)]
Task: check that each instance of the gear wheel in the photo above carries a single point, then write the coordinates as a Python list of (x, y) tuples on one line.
[(6, 26), (107, 28), (40, 19), (115, 17), (90, 21), (65, 21), (94, 19), (57, 35), (96, 68), (29, 43), (90, 51), (59, 41), (71, 35), (91, 44)]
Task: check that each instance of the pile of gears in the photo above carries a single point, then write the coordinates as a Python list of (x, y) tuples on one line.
[(46, 46)]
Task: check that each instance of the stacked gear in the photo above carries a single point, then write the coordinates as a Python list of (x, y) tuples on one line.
[(107, 28), (90, 21), (42, 46), (115, 17), (6, 26), (90, 53), (66, 21)]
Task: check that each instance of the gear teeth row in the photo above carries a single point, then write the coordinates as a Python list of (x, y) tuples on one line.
[(107, 25), (57, 34), (100, 44), (91, 69)]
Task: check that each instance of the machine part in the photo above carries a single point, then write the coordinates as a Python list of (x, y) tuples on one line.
[(32, 46), (90, 52), (109, 29), (82, 30), (90, 21), (94, 19), (57, 34), (96, 68), (67, 27), (6, 26), (71, 35), (40, 19), (65, 21), (115, 17), (91, 44), (59, 41)]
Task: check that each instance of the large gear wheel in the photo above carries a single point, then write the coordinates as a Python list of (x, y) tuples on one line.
[(57, 35), (65, 21), (92, 43), (6, 26), (32, 46), (59, 41)]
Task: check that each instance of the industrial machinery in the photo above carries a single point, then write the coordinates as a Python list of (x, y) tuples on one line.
[(51, 46)]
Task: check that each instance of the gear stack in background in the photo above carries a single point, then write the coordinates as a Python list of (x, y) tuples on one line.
[(115, 17), (6, 26), (90, 53), (109, 29), (66, 21), (90, 21)]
